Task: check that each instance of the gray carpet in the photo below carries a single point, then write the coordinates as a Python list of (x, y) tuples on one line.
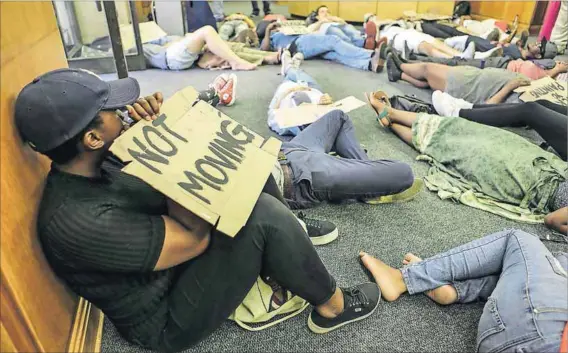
[(424, 226)]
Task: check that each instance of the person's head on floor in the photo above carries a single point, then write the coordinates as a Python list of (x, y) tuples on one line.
[(541, 50), (319, 13), (262, 26), (70, 115)]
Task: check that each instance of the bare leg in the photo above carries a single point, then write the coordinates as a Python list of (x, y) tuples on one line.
[(435, 74), (400, 121), (431, 50), (441, 46), (403, 132), (333, 307), (392, 285), (414, 82), (207, 35), (271, 59), (444, 295)]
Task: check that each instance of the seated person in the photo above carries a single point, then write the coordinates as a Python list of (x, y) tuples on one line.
[(311, 175), (540, 50), (482, 166), (548, 119), (525, 67), (321, 21), (329, 47), (180, 53), (234, 24), (523, 283), (158, 272), (474, 85)]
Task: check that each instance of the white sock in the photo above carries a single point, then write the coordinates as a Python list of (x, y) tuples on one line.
[(447, 105), (458, 43), (469, 52), (487, 54)]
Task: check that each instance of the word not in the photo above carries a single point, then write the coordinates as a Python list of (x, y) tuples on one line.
[(210, 170)]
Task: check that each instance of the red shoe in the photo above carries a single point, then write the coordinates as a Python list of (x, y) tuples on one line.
[(219, 82), (228, 93), (371, 32)]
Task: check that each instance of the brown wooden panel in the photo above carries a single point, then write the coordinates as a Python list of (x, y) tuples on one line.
[(6, 343), (355, 10), (436, 7), (42, 308), (394, 9), (19, 30), (524, 9), (333, 6), (299, 8)]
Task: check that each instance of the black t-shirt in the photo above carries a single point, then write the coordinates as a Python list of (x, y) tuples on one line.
[(103, 237)]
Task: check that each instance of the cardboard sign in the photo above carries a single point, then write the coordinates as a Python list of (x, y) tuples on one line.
[(294, 30), (309, 113), (546, 88), (200, 158), (149, 31)]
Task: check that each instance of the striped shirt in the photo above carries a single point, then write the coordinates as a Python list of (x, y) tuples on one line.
[(103, 237)]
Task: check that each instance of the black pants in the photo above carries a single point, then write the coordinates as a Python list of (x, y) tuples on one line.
[(546, 118), (265, 7), (211, 286), (483, 45), (498, 62), (440, 31)]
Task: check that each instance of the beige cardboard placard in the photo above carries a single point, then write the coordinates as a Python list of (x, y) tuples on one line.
[(308, 113), (149, 31), (294, 30), (546, 88), (200, 158)]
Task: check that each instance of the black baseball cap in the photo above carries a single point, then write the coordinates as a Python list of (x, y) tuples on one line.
[(56, 106), (548, 50)]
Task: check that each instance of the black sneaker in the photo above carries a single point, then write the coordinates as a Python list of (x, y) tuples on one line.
[(394, 74), (320, 232), (360, 302), (254, 14)]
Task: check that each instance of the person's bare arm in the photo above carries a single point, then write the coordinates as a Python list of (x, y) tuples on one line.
[(560, 68), (314, 27), (187, 236), (265, 45), (558, 220), (336, 19), (512, 85)]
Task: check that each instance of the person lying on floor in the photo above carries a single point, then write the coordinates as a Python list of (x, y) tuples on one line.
[(160, 273), (490, 85), (208, 60), (329, 47), (234, 24), (539, 50), (482, 166), (492, 33), (180, 53), (321, 21), (548, 119), (521, 281), (525, 67), (309, 174)]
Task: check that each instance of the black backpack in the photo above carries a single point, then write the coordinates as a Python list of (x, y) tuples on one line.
[(411, 104), (462, 8)]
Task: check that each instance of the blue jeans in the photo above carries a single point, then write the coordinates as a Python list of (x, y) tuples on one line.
[(296, 76), (334, 49), (523, 283), (347, 33), (318, 176)]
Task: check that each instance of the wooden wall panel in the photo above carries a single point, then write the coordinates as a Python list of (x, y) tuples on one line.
[(354, 11), (41, 308), (394, 9), (333, 6), (436, 7), (299, 8), (504, 11)]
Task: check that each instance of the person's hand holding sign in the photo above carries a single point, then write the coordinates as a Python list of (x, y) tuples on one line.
[(146, 108)]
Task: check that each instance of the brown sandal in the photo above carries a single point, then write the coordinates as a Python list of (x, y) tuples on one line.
[(384, 114)]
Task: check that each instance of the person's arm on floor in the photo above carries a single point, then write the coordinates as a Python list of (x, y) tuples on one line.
[(186, 237), (559, 68), (512, 85), (265, 45), (558, 220)]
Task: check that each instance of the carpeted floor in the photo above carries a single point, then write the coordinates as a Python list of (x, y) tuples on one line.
[(425, 226)]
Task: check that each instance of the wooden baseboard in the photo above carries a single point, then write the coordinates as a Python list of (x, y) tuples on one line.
[(87, 330)]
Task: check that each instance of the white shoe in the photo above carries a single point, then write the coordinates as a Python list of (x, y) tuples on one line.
[(286, 59), (469, 52), (457, 43), (297, 60), (447, 105), (497, 51)]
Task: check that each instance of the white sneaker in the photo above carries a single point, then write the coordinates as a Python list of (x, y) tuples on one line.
[(297, 60), (497, 51), (458, 43), (447, 105), (286, 59), (469, 52)]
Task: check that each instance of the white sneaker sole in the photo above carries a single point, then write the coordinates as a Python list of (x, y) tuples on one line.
[(325, 239), (320, 330)]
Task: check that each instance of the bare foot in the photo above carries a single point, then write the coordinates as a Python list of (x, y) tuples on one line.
[(387, 278), (272, 59), (444, 295), (380, 106), (242, 66)]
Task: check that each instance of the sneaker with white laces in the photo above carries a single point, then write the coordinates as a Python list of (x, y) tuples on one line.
[(320, 232), (297, 60), (469, 52), (446, 105), (286, 60), (228, 93), (359, 302)]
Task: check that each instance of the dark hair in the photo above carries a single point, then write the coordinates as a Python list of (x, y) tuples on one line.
[(313, 16), (69, 149)]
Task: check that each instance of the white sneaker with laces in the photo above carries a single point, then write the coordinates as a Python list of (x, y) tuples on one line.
[(446, 105)]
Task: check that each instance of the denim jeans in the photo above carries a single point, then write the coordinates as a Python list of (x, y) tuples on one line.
[(347, 33), (318, 176), (334, 49), (523, 283), (293, 75)]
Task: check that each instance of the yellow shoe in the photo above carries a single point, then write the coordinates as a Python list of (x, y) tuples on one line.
[(404, 196)]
